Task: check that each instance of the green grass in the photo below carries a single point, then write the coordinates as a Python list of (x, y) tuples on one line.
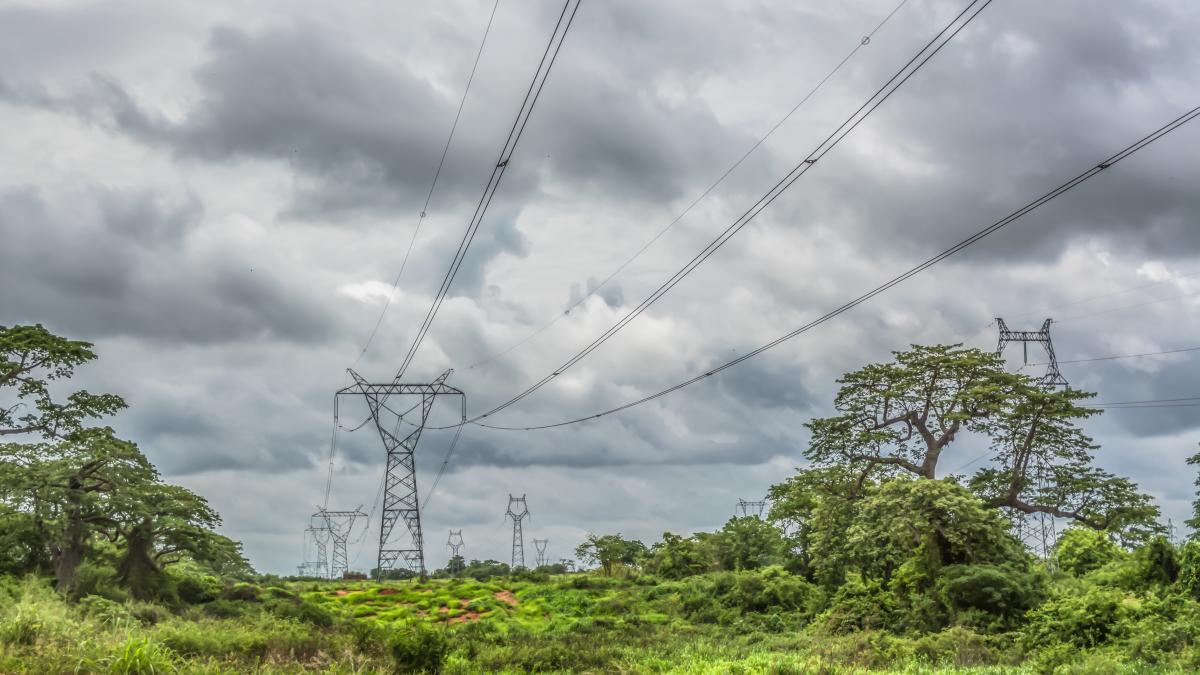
[(566, 624)]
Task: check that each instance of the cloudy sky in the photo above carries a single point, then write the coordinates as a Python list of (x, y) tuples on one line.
[(220, 194)]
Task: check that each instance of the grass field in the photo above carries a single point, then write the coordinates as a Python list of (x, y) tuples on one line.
[(571, 623)]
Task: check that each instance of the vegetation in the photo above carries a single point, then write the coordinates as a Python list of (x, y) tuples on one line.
[(873, 558)]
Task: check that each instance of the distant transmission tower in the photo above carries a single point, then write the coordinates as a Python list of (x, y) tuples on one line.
[(338, 524), (1052, 378), (455, 543), (750, 508), (320, 537), (518, 544), (400, 481), (1037, 531), (540, 545)]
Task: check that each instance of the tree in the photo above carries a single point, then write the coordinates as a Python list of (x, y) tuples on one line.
[(677, 557), (71, 484), (31, 357), (162, 524), (610, 550), (902, 415), (1044, 465), (747, 543)]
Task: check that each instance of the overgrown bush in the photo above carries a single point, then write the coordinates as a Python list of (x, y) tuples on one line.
[(1080, 550), (988, 596), (419, 649), (197, 589)]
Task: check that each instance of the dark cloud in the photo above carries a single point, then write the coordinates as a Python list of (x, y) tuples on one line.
[(220, 197), (108, 262)]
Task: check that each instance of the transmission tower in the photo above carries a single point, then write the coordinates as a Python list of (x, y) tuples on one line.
[(455, 543), (1052, 378), (1037, 531), (518, 546), (750, 508), (400, 500), (540, 545), (338, 524), (320, 537)]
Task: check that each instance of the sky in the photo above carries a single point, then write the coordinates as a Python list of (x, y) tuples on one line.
[(220, 195)]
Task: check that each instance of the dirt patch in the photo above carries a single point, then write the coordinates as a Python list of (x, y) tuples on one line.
[(507, 596), (465, 617), (388, 591), (342, 593)]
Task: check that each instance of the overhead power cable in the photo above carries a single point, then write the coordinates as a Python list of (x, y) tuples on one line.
[(861, 43), (432, 187), (935, 45), (1093, 171), (1153, 400), (570, 7), (1116, 357)]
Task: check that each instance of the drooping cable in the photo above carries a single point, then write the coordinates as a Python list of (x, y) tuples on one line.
[(432, 187), (935, 45), (863, 42), (534, 92), (1121, 155)]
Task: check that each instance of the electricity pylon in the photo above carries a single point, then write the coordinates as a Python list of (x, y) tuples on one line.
[(1036, 531), (400, 500), (518, 545), (455, 543), (320, 537), (338, 524), (540, 545), (1052, 378), (750, 508)]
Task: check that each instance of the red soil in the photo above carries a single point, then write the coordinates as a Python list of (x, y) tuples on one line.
[(507, 596)]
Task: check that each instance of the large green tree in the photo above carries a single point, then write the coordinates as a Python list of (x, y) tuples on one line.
[(31, 358), (902, 417)]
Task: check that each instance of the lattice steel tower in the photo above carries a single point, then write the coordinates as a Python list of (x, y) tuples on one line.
[(338, 524), (320, 537), (518, 544), (1052, 378), (455, 543), (400, 501), (750, 508), (540, 545)]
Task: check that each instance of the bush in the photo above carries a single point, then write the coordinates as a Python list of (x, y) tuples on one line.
[(420, 649), (1081, 550), (227, 609), (198, 589), (1088, 619), (300, 610), (105, 611), (1189, 569), (987, 596), (148, 613), (859, 604), (241, 591), (99, 580)]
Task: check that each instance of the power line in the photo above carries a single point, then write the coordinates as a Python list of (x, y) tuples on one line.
[(432, 187), (1104, 296), (1126, 356), (1123, 154), (489, 192), (882, 94), (866, 40), (1157, 400)]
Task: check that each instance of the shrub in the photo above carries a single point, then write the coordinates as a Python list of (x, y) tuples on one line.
[(96, 579), (1081, 550), (420, 649), (148, 613), (300, 610), (22, 628), (859, 604), (1087, 619), (227, 609), (988, 596), (105, 611), (241, 591), (198, 589), (1189, 569)]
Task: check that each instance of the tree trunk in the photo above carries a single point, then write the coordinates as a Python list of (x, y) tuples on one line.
[(137, 569), (70, 551)]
